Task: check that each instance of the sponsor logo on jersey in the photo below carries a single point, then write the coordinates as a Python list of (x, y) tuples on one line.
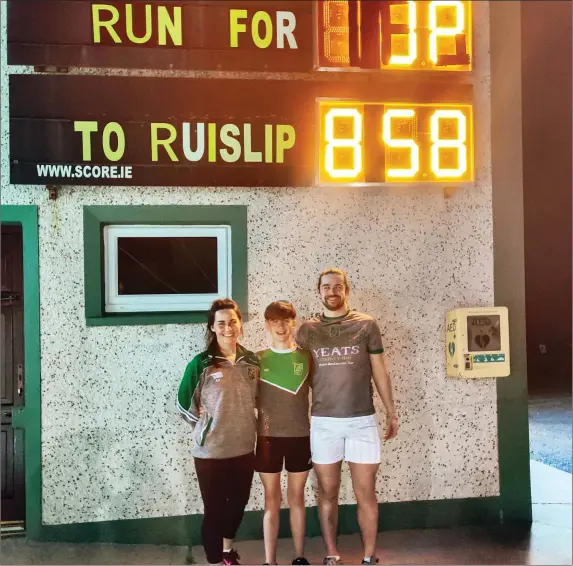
[(340, 351)]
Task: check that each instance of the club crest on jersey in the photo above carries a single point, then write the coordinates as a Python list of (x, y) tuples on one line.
[(289, 377), (334, 331), (252, 372), (297, 368), (217, 376)]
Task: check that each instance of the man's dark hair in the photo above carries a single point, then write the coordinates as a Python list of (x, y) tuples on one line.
[(333, 271), (280, 310)]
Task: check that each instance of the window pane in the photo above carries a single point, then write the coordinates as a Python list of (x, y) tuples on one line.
[(167, 266), (483, 333)]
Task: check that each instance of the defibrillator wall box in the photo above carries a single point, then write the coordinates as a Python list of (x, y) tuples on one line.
[(477, 342)]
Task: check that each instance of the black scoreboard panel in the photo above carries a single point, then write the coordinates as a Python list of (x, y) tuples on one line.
[(94, 130), (249, 35), (406, 123), (243, 35)]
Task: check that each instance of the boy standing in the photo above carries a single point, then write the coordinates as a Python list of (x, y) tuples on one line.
[(283, 433)]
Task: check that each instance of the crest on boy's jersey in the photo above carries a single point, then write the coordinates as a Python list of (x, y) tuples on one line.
[(286, 373), (252, 372), (297, 368)]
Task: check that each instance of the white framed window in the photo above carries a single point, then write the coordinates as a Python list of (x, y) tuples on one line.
[(159, 268)]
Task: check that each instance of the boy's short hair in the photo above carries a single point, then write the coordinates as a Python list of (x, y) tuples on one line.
[(280, 310)]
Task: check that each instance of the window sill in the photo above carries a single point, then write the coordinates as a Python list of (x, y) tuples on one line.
[(137, 319)]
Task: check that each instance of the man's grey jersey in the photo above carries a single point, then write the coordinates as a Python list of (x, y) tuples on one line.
[(341, 348)]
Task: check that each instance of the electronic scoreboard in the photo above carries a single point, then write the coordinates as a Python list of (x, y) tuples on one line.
[(410, 121)]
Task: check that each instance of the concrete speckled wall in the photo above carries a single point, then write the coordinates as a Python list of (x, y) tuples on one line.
[(113, 446)]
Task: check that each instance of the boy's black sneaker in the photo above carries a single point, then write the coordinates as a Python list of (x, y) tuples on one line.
[(300, 560), (371, 560)]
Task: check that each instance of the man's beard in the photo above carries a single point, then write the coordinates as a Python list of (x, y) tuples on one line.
[(333, 305)]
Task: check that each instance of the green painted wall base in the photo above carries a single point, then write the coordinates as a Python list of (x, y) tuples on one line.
[(186, 530)]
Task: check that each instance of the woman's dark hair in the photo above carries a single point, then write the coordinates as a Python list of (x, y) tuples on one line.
[(280, 310), (218, 305)]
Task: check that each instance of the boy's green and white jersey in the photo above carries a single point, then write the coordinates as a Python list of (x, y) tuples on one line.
[(283, 393), (227, 393)]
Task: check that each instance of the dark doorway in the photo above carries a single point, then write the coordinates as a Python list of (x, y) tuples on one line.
[(547, 146), (12, 364), (546, 108)]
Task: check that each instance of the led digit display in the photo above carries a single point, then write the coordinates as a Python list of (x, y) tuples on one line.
[(335, 33), (343, 136), (407, 117), (417, 35), (372, 143)]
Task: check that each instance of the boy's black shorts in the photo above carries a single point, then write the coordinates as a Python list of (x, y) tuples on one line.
[(272, 451)]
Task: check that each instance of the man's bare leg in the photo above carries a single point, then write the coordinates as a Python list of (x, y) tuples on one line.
[(364, 484), (295, 494), (272, 485), (328, 476)]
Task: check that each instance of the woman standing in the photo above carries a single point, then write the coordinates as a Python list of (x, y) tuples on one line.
[(217, 397)]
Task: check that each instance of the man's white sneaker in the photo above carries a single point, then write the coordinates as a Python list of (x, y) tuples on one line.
[(332, 560)]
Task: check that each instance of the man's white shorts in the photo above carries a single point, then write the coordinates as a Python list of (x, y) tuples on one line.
[(354, 439)]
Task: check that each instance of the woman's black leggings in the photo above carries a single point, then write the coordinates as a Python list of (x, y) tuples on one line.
[(225, 486)]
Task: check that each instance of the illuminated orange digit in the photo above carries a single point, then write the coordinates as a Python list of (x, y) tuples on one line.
[(332, 142), (412, 40), (459, 143), (336, 37), (437, 32), (389, 115)]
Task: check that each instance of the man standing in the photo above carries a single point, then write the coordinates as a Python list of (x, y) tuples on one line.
[(347, 350)]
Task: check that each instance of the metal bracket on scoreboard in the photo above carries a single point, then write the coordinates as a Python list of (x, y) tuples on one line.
[(449, 192)]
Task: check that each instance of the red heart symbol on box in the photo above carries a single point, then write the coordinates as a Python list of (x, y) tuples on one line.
[(482, 340)]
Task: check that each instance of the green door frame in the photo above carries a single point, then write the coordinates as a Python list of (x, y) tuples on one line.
[(28, 417), (509, 256)]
